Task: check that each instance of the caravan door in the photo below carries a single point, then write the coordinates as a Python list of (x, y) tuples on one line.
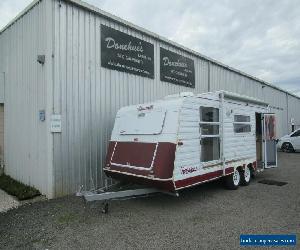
[(269, 141)]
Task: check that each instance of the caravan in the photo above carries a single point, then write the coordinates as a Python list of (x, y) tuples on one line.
[(186, 139)]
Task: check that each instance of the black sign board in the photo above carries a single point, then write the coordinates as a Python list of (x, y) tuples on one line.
[(176, 69), (126, 53)]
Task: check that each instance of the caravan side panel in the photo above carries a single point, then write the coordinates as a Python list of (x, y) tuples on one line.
[(239, 145), (189, 170), (239, 148)]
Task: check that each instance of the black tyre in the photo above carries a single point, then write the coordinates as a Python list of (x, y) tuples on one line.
[(233, 181), (246, 176), (287, 147)]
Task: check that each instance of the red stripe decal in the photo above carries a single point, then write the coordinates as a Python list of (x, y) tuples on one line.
[(197, 179)]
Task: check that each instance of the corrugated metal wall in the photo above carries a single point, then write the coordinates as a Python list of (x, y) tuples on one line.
[(293, 112), (224, 79), (2, 85), (88, 95), (25, 94), (278, 103), (1, 133)]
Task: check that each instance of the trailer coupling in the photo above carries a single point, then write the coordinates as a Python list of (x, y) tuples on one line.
[(122, 194)]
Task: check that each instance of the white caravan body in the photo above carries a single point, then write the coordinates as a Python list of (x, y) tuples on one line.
[(187, 139)]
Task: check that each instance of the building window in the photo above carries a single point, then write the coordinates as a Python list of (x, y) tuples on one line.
[(242, 124), (210, 134)]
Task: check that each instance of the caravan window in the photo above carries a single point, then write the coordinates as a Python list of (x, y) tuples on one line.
[(210, 134), (207, 129), (209, 114), (241, 118), (242, 124), (210, 149), (242, 128)]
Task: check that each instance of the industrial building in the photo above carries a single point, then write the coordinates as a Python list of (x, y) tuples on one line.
[(66, 67)]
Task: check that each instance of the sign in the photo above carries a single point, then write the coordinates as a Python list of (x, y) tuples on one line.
[(176, 69), (268, 240), (122, 52), (55, 124)]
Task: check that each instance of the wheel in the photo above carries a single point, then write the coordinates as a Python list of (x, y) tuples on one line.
[(246, 176), (287, 147), (232, 181)]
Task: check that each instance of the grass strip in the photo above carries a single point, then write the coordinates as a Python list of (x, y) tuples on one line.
[(16, 188)]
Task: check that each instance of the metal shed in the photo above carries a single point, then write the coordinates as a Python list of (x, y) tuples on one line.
[(62, 89)]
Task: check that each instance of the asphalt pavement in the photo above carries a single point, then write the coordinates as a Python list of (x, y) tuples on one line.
[(203, 217)]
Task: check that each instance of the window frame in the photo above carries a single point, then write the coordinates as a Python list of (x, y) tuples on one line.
[(243, 123), (218, 123)]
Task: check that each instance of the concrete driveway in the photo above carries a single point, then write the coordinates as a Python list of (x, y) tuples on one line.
[(204, 217)]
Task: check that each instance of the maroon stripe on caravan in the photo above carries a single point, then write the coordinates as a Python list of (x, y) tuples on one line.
[(164, 185), (198, 179), (229, 170), (134, 153), (164, 160), (141, 154)]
